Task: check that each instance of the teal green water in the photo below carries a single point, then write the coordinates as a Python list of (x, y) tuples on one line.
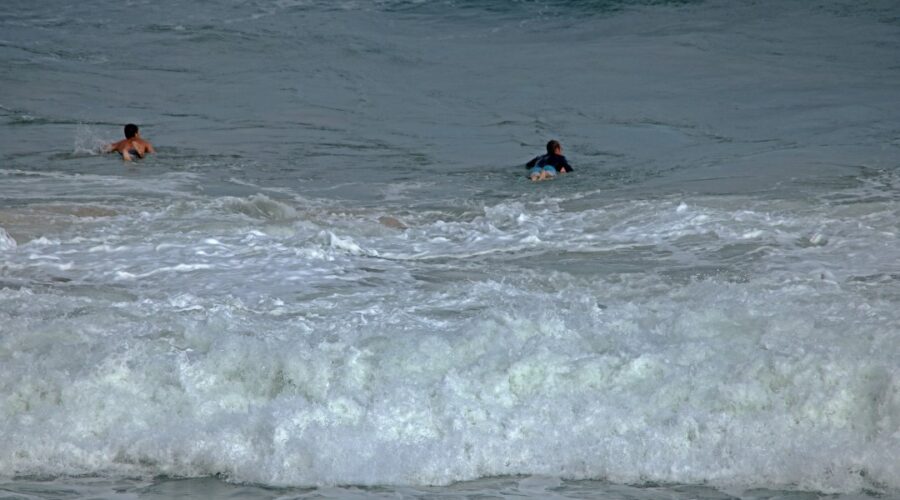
[(334, 280)]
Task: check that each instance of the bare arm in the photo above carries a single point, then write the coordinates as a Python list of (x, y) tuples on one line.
[(142, 147), (115, 146)]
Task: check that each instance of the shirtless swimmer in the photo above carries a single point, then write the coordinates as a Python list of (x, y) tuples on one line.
[(132, 145)]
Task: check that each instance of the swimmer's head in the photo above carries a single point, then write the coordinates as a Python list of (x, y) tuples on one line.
[(131, 130), (552, 147)]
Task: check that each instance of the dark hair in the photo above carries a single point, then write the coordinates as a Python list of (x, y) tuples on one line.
[(130, 130), (551, 147)]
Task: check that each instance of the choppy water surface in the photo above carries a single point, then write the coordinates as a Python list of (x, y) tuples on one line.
[(334, 281)]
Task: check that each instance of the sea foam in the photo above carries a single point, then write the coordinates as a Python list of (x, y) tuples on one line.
[(395, 365), (7, 242)]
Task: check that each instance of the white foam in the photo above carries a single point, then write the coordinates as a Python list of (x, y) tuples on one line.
[(88, 141), (7, 242), (502, 394), (191, 342)]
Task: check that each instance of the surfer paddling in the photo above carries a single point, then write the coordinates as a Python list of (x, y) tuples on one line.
[(546, 166), (133, 145)]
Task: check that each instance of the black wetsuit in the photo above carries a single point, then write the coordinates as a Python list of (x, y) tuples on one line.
[(556, 161)]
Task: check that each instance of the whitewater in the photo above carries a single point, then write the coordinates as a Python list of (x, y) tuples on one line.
[(334, 280)]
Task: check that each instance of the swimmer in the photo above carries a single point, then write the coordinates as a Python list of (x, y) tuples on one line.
[(546, 166), (132, 145)]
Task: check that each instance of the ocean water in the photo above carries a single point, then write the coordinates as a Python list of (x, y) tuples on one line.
[(335, 281)]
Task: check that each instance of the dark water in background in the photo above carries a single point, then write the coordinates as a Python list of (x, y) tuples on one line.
[(335, 273)]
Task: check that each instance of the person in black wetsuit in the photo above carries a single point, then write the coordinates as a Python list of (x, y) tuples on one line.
[(132, 145), (546, 166)]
